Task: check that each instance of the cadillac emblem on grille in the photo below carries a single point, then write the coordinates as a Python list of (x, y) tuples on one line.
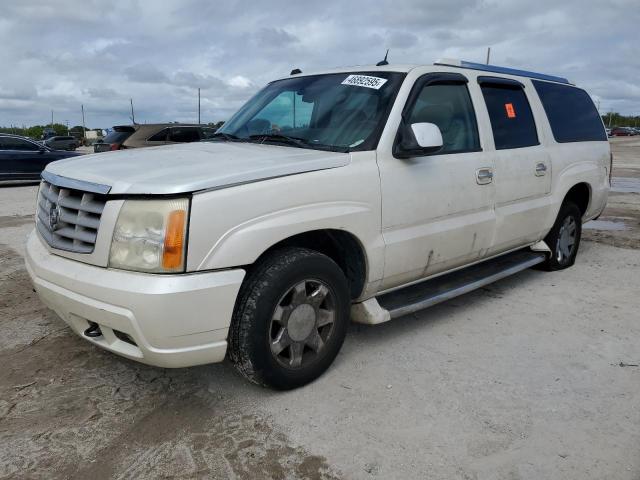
[(54, 217)]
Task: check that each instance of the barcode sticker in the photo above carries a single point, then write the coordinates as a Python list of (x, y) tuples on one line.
[(364, 81)]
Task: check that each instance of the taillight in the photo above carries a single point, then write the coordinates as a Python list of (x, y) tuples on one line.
[(115, 146)]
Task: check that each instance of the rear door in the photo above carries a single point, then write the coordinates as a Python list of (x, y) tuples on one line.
[(522, 164)]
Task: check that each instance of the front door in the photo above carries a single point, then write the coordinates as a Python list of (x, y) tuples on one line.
[(20, 159), (437, 209)]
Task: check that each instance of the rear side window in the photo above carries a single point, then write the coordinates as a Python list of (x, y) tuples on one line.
[(117, 137), (510, 114), (184, 134), (161, 136), (572, 115)]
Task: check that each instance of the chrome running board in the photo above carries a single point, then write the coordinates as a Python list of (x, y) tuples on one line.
[(431, 292)]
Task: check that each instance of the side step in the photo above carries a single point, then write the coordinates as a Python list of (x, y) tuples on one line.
[(430, 292)]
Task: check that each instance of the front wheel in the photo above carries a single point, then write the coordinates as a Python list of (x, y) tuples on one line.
[(564, 238), (290, 319)]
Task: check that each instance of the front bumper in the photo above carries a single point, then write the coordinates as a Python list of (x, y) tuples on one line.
[(162, 320)]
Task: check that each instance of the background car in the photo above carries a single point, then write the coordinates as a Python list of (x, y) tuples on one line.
[(62, 143), (23, 159), (621, 132), (151, 135)]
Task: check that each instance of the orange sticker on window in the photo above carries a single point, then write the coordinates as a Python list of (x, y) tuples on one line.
[(511, 113)]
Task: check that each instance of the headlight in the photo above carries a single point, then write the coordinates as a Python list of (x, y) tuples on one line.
[(150, 236)]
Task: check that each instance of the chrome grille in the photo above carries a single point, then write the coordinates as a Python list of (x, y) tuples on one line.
[(69, 219)]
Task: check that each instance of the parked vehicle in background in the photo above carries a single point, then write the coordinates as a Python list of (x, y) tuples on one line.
[(622, 132), (48, 133), (93, 136), (62, 143), (24, 159), (151, 135), (364, 193)]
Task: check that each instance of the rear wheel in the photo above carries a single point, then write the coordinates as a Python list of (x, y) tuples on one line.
[(290, 319), (564, 238)]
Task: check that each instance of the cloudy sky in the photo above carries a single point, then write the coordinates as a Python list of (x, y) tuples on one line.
[(59, 55)]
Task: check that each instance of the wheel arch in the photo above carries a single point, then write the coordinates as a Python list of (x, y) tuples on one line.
[(580, 195), (341, 246)]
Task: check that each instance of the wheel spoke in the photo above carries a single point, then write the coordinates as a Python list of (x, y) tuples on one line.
[(299, 294), (296, 349), (318, 295), (281, 342), (281, 314), (325, 317), (571, 229), (315, 341)]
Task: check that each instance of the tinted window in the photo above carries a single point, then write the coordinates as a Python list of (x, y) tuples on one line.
[(184, 134), (450, 108), (117, 137), (572, 115), (10, 143), (510, 114), (161, 136)]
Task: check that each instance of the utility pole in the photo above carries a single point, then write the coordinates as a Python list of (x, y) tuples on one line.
[(51, 118), (133, 117), (488, 54), (84, 135), (610, 112), (198, 105)]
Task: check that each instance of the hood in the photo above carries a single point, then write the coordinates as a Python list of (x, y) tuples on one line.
[(193, 166)]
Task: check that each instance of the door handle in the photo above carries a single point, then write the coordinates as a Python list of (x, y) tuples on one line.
[(484, 176), (541, 169)]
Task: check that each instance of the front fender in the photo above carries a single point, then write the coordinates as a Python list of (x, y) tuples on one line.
[(244, 243), (233, 227)]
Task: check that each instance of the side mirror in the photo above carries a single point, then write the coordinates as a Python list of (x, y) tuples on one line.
[(417, 140), (42, 150)]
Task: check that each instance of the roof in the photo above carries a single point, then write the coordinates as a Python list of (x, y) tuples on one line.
[(451, 63)]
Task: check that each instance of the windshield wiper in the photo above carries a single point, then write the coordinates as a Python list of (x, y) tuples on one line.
[(278, 137)]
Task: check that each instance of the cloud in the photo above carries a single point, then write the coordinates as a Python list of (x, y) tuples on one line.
[(145, 73), (60, 55)]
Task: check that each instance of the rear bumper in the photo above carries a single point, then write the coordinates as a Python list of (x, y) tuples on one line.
[(167, 320)]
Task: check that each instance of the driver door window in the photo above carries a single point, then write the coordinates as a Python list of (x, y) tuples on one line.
[(449, 107)]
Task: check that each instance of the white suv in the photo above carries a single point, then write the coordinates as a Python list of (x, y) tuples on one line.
[(362, 193)]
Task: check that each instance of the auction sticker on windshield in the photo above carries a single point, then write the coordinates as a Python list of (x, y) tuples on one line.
[(364, 81)]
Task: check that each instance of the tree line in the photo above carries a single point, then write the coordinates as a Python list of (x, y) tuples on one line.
[(615, 119), (36, 131)]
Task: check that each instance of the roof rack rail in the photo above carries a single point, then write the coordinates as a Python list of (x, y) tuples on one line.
[(494, 68)]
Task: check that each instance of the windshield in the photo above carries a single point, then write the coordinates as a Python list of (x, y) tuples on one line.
[(341, 112)]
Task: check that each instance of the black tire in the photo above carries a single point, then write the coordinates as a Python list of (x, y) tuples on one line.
[(280, 283), (562, 257)]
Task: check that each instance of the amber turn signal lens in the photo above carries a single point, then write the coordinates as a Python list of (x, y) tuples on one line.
[(174, 240)]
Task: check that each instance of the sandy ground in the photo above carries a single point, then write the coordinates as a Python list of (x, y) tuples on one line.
[(535, 377)]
